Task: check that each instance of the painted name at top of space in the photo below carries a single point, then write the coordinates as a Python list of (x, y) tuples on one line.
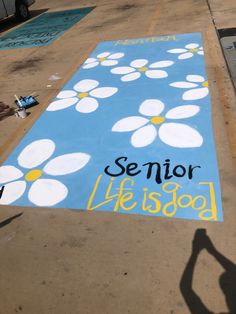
[(146, 40)]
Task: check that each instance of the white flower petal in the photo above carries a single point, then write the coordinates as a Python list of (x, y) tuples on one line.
[(62, 104), (201, 52), (180, 135), (139, 63), (197, 93), (183, 85), (90, 60), (9, 173), (85, 85), (90, 65), (178, 50), (117, 55), (161, 64), (129, 124), (186, 55), (103, 92), (66, 164), (108, 63), (36, 153), (151, 107), (66, 94), (191, 46), (103, 54), (144, 136), (87, 105), (47, 192), (122, 70), (195, 78), (157, 74), (182, 112), (12, 192), (131, 77)]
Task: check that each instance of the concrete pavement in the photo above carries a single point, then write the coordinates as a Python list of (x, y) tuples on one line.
[(60, 261)]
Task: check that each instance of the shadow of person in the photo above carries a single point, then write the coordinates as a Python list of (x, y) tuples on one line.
[(227, 280), (5, 111)]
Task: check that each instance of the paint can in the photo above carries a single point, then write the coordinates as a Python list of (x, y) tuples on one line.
[(21, 113)]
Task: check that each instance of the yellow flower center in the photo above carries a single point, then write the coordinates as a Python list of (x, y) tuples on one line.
[(102, 59), (193, 50), (157, 120), (143, 69), (82, 95), (33, 175), (205, 84)]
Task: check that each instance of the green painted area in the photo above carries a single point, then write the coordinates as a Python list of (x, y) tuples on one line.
[(42, 30)]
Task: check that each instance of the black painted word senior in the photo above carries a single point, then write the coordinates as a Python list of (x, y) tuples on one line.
[(160, 171)]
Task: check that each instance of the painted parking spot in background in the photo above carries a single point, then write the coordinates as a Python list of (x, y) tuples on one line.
[(129, 133), (42, 30)]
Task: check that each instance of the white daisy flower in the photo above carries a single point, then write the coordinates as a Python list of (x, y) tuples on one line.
[(105, 59), (193, 93), (139, 66), (42, 192), (188, 52), (171, 133), (84, 96)]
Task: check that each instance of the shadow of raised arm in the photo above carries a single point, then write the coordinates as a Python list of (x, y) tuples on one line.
[(228, 279), (193, 301)]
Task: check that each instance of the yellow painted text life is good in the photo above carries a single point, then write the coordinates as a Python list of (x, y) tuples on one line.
[(124, 199)]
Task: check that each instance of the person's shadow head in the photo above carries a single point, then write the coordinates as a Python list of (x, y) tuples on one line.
[(227, 280)]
